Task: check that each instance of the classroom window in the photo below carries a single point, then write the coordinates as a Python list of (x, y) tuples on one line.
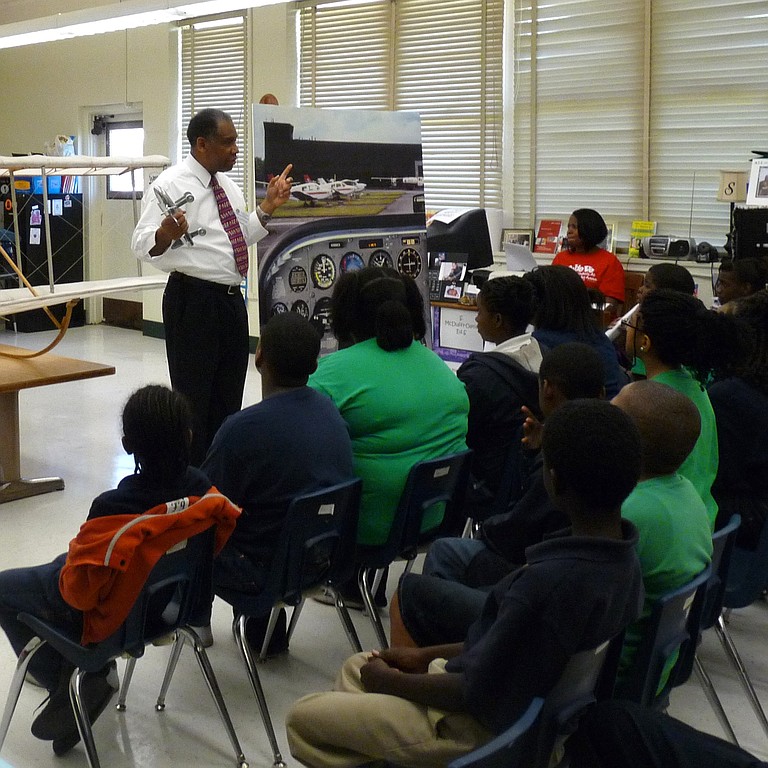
[(125, 138)]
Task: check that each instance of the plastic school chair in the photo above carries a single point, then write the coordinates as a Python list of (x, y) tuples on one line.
[(722, 548), (673, 624), (430, 482), (536, 735), (744, 584), (315, 550), (178, 586)]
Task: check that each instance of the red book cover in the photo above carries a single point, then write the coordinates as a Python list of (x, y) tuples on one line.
[(548, 236)]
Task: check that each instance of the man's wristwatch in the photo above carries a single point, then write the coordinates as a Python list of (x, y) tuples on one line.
[(263, 217)]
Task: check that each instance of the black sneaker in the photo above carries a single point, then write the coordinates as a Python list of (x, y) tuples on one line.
[(256, 629), (58, 723)]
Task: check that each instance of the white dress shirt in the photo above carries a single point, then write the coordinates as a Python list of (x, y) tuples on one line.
[(211, 257)]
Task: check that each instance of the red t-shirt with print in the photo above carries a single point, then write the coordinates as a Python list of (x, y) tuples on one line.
[(598, 269)]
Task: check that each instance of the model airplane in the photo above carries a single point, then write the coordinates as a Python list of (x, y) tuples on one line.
[(13, 300), (169, 207)]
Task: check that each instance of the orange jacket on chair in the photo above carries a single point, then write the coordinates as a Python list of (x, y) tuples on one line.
[(111, 557)]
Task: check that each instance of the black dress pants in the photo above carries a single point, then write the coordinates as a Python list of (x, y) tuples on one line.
[(206, 341)]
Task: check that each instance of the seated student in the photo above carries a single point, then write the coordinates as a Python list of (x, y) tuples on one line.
[(564, 313), (680, 342), (157, 430), (675, 542), (498, 384), (292, 442), (402, 404), (567, 372), (738, 278), (673, 277), (621, 734), (739, 399), (411, 707)]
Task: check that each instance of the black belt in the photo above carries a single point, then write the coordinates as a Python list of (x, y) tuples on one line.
[(180, 277)]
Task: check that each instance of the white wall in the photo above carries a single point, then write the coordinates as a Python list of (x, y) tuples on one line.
[(57, 87)]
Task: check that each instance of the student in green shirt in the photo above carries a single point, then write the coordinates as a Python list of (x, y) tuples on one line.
[(675, 541), (680, 342), (675, 277)]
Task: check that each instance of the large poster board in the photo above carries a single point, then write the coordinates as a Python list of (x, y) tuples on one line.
[(357, 200)]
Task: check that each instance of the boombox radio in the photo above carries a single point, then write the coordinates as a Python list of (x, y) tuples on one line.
[(668, 247)]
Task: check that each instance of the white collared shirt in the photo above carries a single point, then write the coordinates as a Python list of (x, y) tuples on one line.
[(211, 257), (524, 349)]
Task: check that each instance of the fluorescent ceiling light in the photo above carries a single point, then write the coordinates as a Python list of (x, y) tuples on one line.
[(113, 18)]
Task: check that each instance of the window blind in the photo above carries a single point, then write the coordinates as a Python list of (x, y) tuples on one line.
[(442, 58), (633, 106), (578, 109), (214, 74), (709, 107)]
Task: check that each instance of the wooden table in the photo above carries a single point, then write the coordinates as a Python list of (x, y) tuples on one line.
[(17, 373)]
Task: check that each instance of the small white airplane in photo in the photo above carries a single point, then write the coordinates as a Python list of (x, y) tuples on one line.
[(350, 188), (410, 182), (312, 192)]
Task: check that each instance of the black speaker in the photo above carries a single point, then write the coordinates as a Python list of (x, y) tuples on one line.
[(750, 229)]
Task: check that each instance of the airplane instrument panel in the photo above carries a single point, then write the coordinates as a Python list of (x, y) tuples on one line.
[(301, 267)]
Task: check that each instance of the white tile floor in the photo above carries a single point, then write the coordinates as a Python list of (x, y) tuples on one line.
[(72, 430)]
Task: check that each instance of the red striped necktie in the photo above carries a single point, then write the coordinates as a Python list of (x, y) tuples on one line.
[(231, 226)]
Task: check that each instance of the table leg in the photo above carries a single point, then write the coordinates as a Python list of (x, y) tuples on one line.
[(12, 485)]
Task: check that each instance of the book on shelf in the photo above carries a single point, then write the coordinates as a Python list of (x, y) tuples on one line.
[(637, 232), (548, 236)]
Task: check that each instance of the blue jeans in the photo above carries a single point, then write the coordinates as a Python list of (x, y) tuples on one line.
[(35, 590), (449, 558), (435, 611)]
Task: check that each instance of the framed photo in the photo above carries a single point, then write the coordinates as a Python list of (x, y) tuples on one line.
[(757, 191), (517, 237)]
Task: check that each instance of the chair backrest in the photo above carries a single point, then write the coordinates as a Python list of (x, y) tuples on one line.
[(673, 624), (317, 541), (529, 743), (177, 588), (723, 542), (316, 545), (748, 573), (712, 602), (430, 482)]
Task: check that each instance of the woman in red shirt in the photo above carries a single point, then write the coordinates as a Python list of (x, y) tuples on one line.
[(599, 269)]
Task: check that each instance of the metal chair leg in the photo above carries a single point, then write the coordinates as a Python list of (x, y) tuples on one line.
[(295, 613), (367, 590), (213, 687), (29, 650), (81, 717), (346, 620), (274, 613), (253, 676), (714, 700), (130, 665), (170, 668), (733, 655)]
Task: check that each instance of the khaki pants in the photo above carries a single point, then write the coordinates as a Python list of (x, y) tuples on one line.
[(349, 726)]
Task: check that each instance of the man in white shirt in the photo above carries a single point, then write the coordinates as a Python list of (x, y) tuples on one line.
[(204, 313)]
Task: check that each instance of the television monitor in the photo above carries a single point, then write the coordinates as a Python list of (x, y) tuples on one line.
[(461, 231)]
